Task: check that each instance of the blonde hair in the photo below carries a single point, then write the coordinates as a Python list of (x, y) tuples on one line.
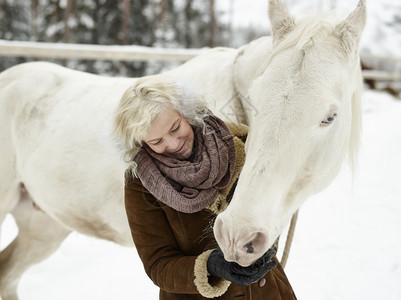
[(142, 103)]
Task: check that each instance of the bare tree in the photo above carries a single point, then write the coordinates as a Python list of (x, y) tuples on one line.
[(34, 20), (158, 11), (126, 7), (67, 14), (187, 29), (230, 20), (212, 23), (66, 35)]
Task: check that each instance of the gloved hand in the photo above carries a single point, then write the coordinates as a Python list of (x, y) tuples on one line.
[(231, 271)]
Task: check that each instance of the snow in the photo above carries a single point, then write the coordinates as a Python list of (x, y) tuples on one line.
[(347, 243)]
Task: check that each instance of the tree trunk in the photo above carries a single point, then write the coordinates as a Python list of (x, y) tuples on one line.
[(126, 21), (187, 33), (66, 35), (158, 13), (95, 17), (67, 13), (126, 7), (230, 22), (212, 24), (34, 20), (94, 34)]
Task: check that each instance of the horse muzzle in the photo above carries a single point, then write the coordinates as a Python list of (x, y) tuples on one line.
[(244, 246)]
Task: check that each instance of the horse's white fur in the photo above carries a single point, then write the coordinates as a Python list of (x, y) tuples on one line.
[(57, 150), (313, 71)]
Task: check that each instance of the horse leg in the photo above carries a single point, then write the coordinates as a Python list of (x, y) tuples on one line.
[(9, 195), (39, 236)]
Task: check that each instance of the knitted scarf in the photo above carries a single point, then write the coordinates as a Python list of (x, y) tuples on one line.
[(191, 185)]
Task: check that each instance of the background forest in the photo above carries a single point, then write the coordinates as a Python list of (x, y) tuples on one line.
[(162, 23)]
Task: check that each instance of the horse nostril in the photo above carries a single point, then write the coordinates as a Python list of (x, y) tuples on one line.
[(249, 248), (256, 243)]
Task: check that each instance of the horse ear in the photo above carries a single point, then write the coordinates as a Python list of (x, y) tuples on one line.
[(282, 22), (350, 30)]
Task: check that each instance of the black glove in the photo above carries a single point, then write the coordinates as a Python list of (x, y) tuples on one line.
[(231, 271)]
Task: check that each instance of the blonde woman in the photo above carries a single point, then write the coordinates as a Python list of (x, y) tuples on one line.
[(184, 163)]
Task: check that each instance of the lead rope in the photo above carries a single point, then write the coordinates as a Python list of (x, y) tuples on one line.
[(242, 118), (288, 242)]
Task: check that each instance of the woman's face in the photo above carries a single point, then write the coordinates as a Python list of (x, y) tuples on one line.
[(171, 135)]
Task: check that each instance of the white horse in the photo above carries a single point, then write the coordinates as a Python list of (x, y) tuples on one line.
[(58, 153), (308, 100)]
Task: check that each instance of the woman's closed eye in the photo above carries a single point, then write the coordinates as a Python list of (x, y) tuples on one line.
[(176, 128), (156, 142)]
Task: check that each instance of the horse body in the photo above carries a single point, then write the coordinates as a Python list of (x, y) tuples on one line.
[(61, 126), (56, 125), (58, 152)]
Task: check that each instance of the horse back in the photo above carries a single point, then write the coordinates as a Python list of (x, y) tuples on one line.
[(56, 125)]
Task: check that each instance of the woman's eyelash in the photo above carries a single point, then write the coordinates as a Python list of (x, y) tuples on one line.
[(156, 143), (173, 130), (176, 128)]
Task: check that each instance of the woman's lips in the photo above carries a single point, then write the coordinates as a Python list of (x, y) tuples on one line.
[(181, 148)]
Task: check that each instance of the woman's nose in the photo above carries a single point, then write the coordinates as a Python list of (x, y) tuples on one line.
[(172, 143)]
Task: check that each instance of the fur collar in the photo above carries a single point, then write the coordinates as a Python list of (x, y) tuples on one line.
[(223, 198)]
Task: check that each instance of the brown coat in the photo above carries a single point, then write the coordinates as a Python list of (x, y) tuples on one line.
[(174, 248)]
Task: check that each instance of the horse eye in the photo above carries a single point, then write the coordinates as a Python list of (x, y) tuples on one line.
[(329, 120)]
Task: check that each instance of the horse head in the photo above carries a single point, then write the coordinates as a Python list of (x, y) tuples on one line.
[(305, 118)]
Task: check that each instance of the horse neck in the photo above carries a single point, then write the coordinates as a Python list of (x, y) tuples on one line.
[(246, 70)]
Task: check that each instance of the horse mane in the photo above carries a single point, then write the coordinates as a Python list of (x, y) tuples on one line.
[(356, 121), (299, 38)]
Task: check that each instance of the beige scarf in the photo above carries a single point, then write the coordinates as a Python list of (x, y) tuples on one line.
[(191, 185)]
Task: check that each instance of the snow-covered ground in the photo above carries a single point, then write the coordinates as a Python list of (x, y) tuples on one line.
[(347, 242)]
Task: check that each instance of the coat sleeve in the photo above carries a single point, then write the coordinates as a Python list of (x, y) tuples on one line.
[(164, 262)]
